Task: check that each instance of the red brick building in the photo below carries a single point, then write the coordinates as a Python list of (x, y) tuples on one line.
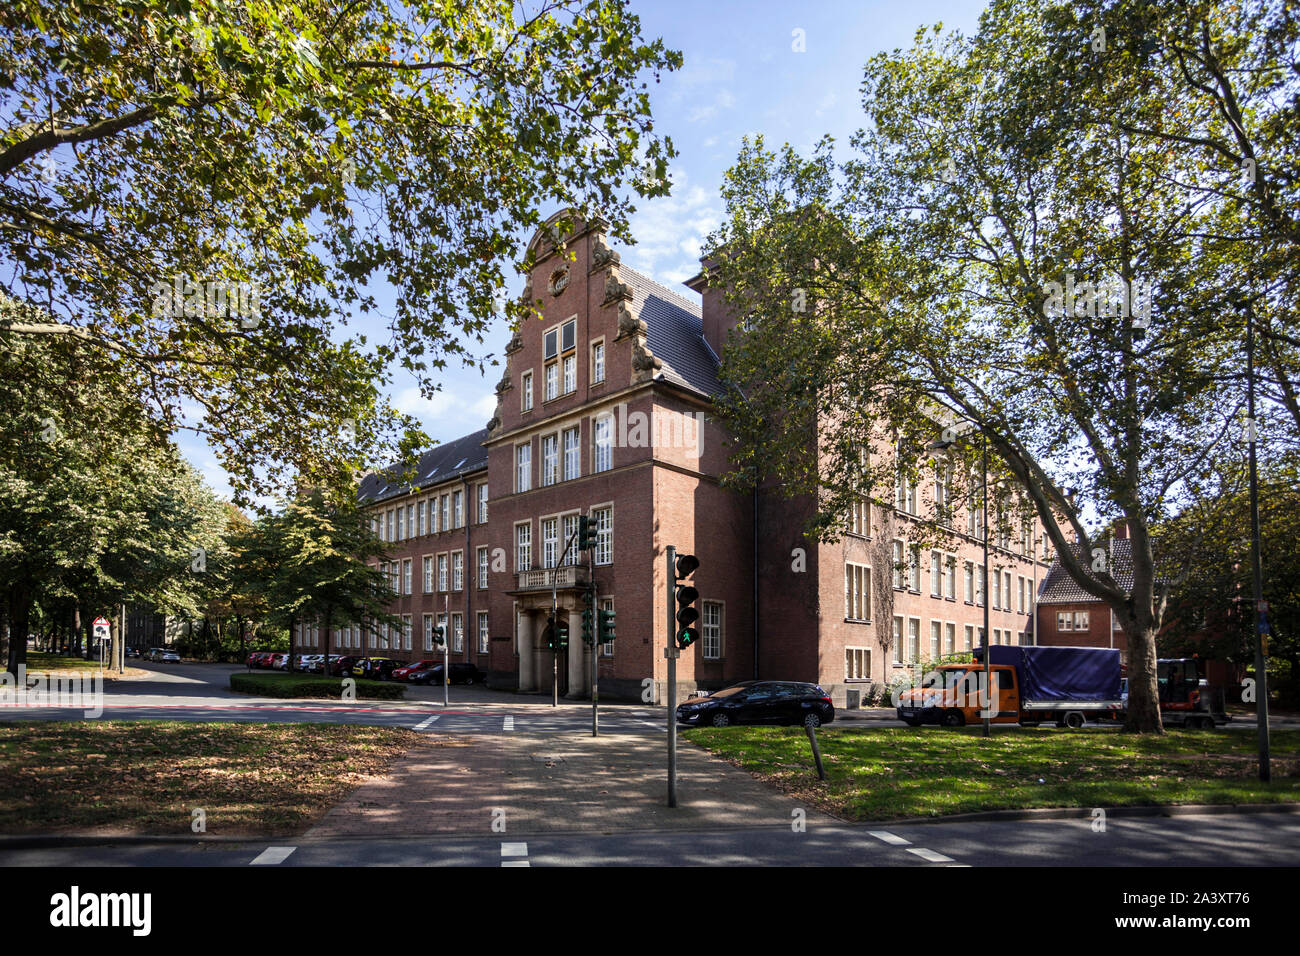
[(604, 409)]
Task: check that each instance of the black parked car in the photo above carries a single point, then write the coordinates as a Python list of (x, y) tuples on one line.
[(760, 702), (461, 673)]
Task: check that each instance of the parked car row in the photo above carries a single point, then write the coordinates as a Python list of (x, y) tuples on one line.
[(370, 668), (164, 655)]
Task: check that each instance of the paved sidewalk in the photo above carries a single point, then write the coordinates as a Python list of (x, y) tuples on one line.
[(550, 784)]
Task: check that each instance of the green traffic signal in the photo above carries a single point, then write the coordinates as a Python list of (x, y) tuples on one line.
[(588, 632), (606, 626), (687, 636), (687, 633)]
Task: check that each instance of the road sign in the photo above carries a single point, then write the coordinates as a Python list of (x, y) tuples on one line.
[(100, 626)]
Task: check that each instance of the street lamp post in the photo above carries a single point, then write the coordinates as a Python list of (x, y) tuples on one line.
[(1261, 609)]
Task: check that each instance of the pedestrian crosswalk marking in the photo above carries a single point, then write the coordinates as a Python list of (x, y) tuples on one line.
[(272, 855), (929, 855), (890, 838), (426, 723)]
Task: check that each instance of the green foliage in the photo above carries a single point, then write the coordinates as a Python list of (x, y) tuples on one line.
[(904, 297), (313, 152)]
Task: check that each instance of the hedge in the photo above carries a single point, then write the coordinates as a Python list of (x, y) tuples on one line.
[(290, 685)]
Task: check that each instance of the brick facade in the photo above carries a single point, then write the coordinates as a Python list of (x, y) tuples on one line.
[(773, 603)]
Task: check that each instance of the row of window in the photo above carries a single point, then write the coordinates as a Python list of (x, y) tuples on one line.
[(943, 580), (905, 501), (943, 639), (450, 572), (428, 515), (385, 637), (561, 454), (560, 368), (553, 542)]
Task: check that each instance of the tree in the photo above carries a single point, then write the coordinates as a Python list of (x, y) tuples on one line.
[(313, 554), (987, 265), (158, 159)]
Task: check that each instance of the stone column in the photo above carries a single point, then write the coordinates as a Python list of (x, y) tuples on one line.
[(579, 663), (525, 637)]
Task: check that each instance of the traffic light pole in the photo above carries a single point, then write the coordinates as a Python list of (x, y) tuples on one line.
[(595, 650), (446, 651), (671, 653)]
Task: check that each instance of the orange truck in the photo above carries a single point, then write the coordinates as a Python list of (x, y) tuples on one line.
[(1030, 685)]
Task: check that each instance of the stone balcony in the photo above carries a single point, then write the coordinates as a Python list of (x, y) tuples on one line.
[(539, 579)]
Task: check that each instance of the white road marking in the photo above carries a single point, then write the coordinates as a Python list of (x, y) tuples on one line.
[(891, 838), (516, 863), (514, 850), (426, 723), (508, 724), (272, 855), (929, 855)]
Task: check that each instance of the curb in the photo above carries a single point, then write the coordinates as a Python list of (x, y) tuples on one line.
[(1067, 813)]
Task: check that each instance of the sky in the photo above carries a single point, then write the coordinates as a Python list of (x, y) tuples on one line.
[(788, 71)]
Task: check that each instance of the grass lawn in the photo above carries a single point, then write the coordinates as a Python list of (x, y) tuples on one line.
[(895, 773), (148, 777), (42, 662)]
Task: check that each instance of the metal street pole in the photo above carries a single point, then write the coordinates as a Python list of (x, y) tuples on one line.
[(984, 518), (1261, 609), (595, 643), (446, 650), (671, 652)]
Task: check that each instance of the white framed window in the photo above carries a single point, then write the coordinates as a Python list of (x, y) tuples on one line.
[(458, 509), (570, 374), (568, 530), (401, 524), (898, 640), (970, 636), (1081, 620), (389, 535), (996, 578), (428, 632), (458, 633), (483, 567), (860, 518), (434, 527), (857, 592), (523, 547), (446, 512), (526, 391), (550, 541), (857, 663), (899, 567), (1006, 590), (603, 440), (572, 453), (482, 503), (914, 569), (406, 632), (597, 362), (406, 576), (442, 572), (913, 639), (458, 570), (604, 535), (552, 374), (550, 459), (936, 637), (950, 577), (711, 630), (936, 574), (979, 585), (949, 637), (524, 467), (483, 633), (419, 519)]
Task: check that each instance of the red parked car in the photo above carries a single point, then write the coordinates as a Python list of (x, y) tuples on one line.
[(413, 670)]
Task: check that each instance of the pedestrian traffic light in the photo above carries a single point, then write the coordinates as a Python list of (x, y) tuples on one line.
[(586, 532), (439, 636), (561, 635), (549, 634), (606, 626), (687, 615), (588, 632)]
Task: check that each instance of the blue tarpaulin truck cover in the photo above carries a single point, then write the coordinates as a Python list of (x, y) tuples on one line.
[(1060, 673)]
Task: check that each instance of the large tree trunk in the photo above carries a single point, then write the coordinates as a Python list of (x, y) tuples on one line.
[(1143, 715), (20, 609), (329, 616)]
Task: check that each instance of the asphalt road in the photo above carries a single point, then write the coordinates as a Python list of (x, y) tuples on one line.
[(1248, 840)]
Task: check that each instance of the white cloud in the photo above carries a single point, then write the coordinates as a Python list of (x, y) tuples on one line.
[(670, 232)]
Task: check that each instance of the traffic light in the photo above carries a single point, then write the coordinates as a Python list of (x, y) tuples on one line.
[(606, 626), (687, 615), (549, 634), (588, 632), (439, 636), (586, 532), (561, 635)]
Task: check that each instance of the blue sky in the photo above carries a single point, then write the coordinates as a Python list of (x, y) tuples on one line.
[(741, 76)]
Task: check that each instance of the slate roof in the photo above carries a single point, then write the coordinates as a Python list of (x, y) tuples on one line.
[(675, 334), (462, 456), (1060, 588)]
